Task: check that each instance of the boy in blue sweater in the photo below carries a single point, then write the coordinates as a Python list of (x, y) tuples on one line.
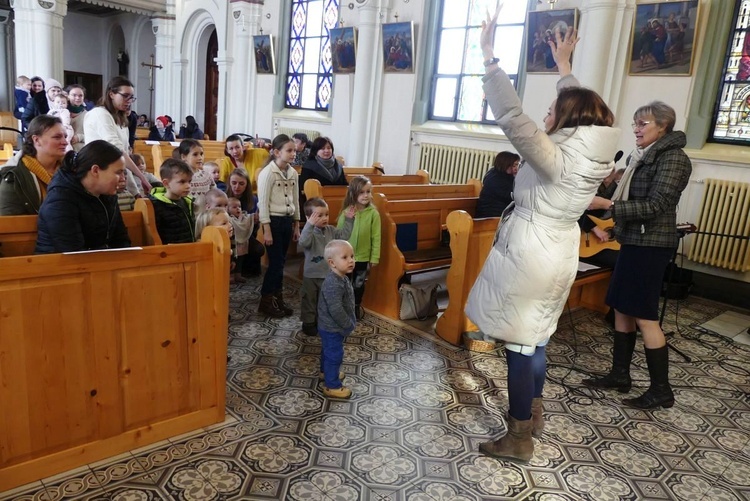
[(336, 318), (313, 239)]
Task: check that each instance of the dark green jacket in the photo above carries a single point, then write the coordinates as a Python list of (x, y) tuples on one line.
[(649, 216), (18, 192)]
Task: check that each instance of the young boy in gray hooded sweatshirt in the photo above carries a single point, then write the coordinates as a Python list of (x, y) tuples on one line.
[(313, 239)]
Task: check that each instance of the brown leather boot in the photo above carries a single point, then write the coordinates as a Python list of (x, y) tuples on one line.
[(270, 306), (282, 305), (537, 410), (517, 445)]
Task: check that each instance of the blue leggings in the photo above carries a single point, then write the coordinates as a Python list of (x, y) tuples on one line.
[(526, 375)]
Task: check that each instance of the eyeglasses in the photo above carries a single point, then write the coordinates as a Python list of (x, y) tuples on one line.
[(127, 97), (640, 124)]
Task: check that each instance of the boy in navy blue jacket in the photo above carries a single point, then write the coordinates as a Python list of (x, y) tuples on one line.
[(336, 318)]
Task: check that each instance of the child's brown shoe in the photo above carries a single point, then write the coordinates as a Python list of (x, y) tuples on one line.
[(342, 392)]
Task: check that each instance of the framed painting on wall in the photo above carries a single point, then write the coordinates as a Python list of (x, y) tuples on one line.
[(265, 63), (398, 47), (540, 30), (663, 40), (343, 50)]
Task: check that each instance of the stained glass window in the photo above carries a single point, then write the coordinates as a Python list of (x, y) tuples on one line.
[(457, 84), (309, 77), (732, 117)]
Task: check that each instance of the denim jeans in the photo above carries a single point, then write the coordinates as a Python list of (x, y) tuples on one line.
[(281, 232), (331, 357)]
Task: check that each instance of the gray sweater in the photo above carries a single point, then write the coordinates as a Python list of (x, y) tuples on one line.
[(336, 305), (313, 240)]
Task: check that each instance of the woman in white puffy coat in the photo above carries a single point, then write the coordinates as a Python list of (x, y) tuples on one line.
[(527, 276)]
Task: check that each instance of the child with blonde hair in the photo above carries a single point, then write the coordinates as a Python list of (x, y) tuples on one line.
[(336, 317), (243, 229), (365, 238), (213, 217), (59, 109), (212, 169)]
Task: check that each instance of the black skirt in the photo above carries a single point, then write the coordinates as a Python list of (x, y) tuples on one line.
[(637, 279)]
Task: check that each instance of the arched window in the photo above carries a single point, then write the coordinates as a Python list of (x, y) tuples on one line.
[(732, 113), (309, 77), (456, 93)]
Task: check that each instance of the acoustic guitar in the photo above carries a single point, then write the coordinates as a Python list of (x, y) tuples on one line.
[(591, 245)]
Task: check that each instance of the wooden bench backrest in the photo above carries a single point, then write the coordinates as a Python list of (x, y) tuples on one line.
[(8, 120), (132, 341), (212, 150), (334, 195), (363, 171), (18, 233), (430, 215), (421, 177), (471, 240), (7, 152)]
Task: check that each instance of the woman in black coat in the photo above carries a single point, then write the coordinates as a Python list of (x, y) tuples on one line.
[(80, 211), (497, 185), (190, 130), (322, 165)]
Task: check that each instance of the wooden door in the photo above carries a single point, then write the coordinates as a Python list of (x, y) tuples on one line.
[(212, 86)]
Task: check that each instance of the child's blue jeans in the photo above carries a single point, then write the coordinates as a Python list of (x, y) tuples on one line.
[(331, 357)]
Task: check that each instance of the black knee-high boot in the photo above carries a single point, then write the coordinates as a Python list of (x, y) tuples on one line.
[(619, 376), (659, 394)]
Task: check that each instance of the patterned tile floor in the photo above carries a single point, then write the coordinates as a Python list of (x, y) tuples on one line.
[(421, 407)]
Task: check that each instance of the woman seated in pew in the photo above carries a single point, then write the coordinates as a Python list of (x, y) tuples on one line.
[(524, 284), (81, 210), (24, 178), (497, 185), (237, 156), (322, 165)]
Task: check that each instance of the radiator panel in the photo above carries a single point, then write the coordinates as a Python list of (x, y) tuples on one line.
[(725, 210), (454, 165), (290, 131)]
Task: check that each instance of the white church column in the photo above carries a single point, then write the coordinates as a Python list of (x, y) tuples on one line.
[(368, 80), (222, 126), (239, 115), (177, 90), (605, 24), (6, 96), (39, 37), (163, 28)]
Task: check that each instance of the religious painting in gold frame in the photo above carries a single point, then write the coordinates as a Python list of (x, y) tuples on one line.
[(664, 38)]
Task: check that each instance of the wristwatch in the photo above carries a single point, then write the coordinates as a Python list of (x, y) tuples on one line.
[(494, 60)]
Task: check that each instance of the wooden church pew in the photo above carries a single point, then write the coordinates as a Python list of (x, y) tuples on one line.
[(471, 241), (18, 233), (428, 216), (105, 352), (334, 195)]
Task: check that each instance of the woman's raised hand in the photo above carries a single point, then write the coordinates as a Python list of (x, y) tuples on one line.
[(562, 49), (487, 36)]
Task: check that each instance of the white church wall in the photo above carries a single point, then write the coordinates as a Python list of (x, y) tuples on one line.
[(82, 41)]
